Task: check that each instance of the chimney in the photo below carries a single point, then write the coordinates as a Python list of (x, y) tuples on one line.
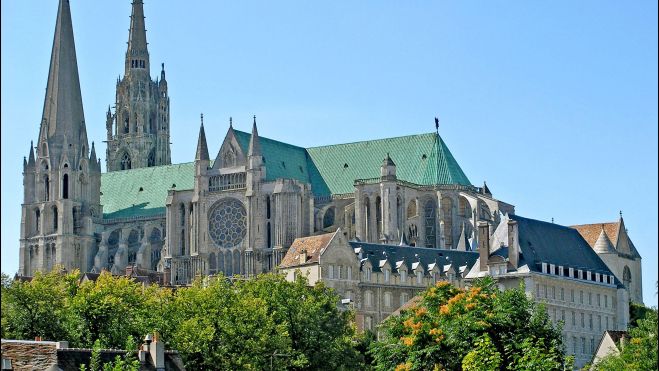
[(483, 244), (303, 256), (513, 243), (156, 350)]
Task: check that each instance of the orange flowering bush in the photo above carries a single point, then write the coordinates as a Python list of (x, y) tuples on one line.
[(454, 328)]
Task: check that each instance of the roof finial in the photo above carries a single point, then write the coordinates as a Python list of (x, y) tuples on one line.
[(552, 220), (254, 119), (620, 213), (202, 119), (230, 121), (437, 124)]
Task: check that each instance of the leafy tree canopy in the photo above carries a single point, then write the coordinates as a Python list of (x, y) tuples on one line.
[(480, 328)]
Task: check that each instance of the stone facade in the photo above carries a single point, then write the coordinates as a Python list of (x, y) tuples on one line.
[(373, 279), (138, 130), (559, 269)]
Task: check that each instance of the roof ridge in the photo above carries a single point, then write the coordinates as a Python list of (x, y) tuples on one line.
[(373, 140), (589, 224), (262, 138)]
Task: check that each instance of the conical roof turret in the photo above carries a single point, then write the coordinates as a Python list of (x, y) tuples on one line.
[(603, 244)]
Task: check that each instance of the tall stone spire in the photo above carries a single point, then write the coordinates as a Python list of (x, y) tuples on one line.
[(138, 131), (202, 147), (63, 119), (137, 55), (254, 148)]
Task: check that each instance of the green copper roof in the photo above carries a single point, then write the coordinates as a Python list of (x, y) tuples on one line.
[(422, 159), (282, 160), (121, 196)]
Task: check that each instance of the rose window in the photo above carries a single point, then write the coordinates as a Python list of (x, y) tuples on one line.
[(227, 222)]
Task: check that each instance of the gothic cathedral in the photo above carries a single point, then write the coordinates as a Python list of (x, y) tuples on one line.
[(239, 212)]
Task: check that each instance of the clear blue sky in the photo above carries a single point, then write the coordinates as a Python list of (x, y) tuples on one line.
[(553, 103)]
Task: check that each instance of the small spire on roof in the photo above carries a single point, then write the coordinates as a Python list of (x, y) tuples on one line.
[(621, 214)]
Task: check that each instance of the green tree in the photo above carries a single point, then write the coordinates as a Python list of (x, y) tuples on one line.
[(110, 309), (319, 333), (37, 307), (476, 328), (640, 351)]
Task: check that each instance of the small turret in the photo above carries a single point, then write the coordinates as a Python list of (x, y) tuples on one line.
[(254, 148), (31, 162), (93, 162), (603, 244), (202, 146), (388, 169)]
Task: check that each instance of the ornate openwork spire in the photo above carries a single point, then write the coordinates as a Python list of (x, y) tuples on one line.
[(202, 147)]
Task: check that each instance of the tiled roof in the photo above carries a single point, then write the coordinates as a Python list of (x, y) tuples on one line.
[(421, 159), (375, 253), (313, 245), (543, 242), (282, 160), (142, 192), (591, 232)]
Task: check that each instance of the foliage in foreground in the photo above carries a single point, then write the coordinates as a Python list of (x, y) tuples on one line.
[(214, 324), (639, 352), (481, 328)]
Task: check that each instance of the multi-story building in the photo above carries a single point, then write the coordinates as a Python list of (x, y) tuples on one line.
[(373, 279), (559, 269)]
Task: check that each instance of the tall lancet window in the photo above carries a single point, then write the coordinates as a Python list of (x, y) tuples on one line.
[(37, 220), (65, 186), (46, 188), (55, 219), (430, 222)]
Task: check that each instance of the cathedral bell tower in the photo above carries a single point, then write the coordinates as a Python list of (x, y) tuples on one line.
[(138, 131), (62, 181)]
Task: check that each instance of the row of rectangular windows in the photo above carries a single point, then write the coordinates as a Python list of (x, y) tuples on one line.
[(559, 270), (591, 323), (550, 293)]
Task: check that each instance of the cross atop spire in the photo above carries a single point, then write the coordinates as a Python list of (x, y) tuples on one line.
[(63, 116)]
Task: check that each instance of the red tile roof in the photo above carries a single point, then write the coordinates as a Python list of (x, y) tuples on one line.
[(590, 232), (312, 245)]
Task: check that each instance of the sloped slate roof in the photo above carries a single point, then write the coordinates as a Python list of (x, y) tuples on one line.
[(421, 159), (409, 254), (120, 190), (555, 244)]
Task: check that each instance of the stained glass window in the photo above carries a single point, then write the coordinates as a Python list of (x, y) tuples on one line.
[(227, 222)]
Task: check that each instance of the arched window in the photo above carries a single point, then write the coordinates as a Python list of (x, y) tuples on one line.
[(430, 222), (399, 215), (182, 215), (411, 209), (367, 217), (47, 188), (183, 242), (151, 160), (65, 186), (125, 161), (269, 233), (126, 125), (37, 220), (267, 208), (378, 216), (627, 277), (447, 208), (55, 219), (328, 218), (463, 207)]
